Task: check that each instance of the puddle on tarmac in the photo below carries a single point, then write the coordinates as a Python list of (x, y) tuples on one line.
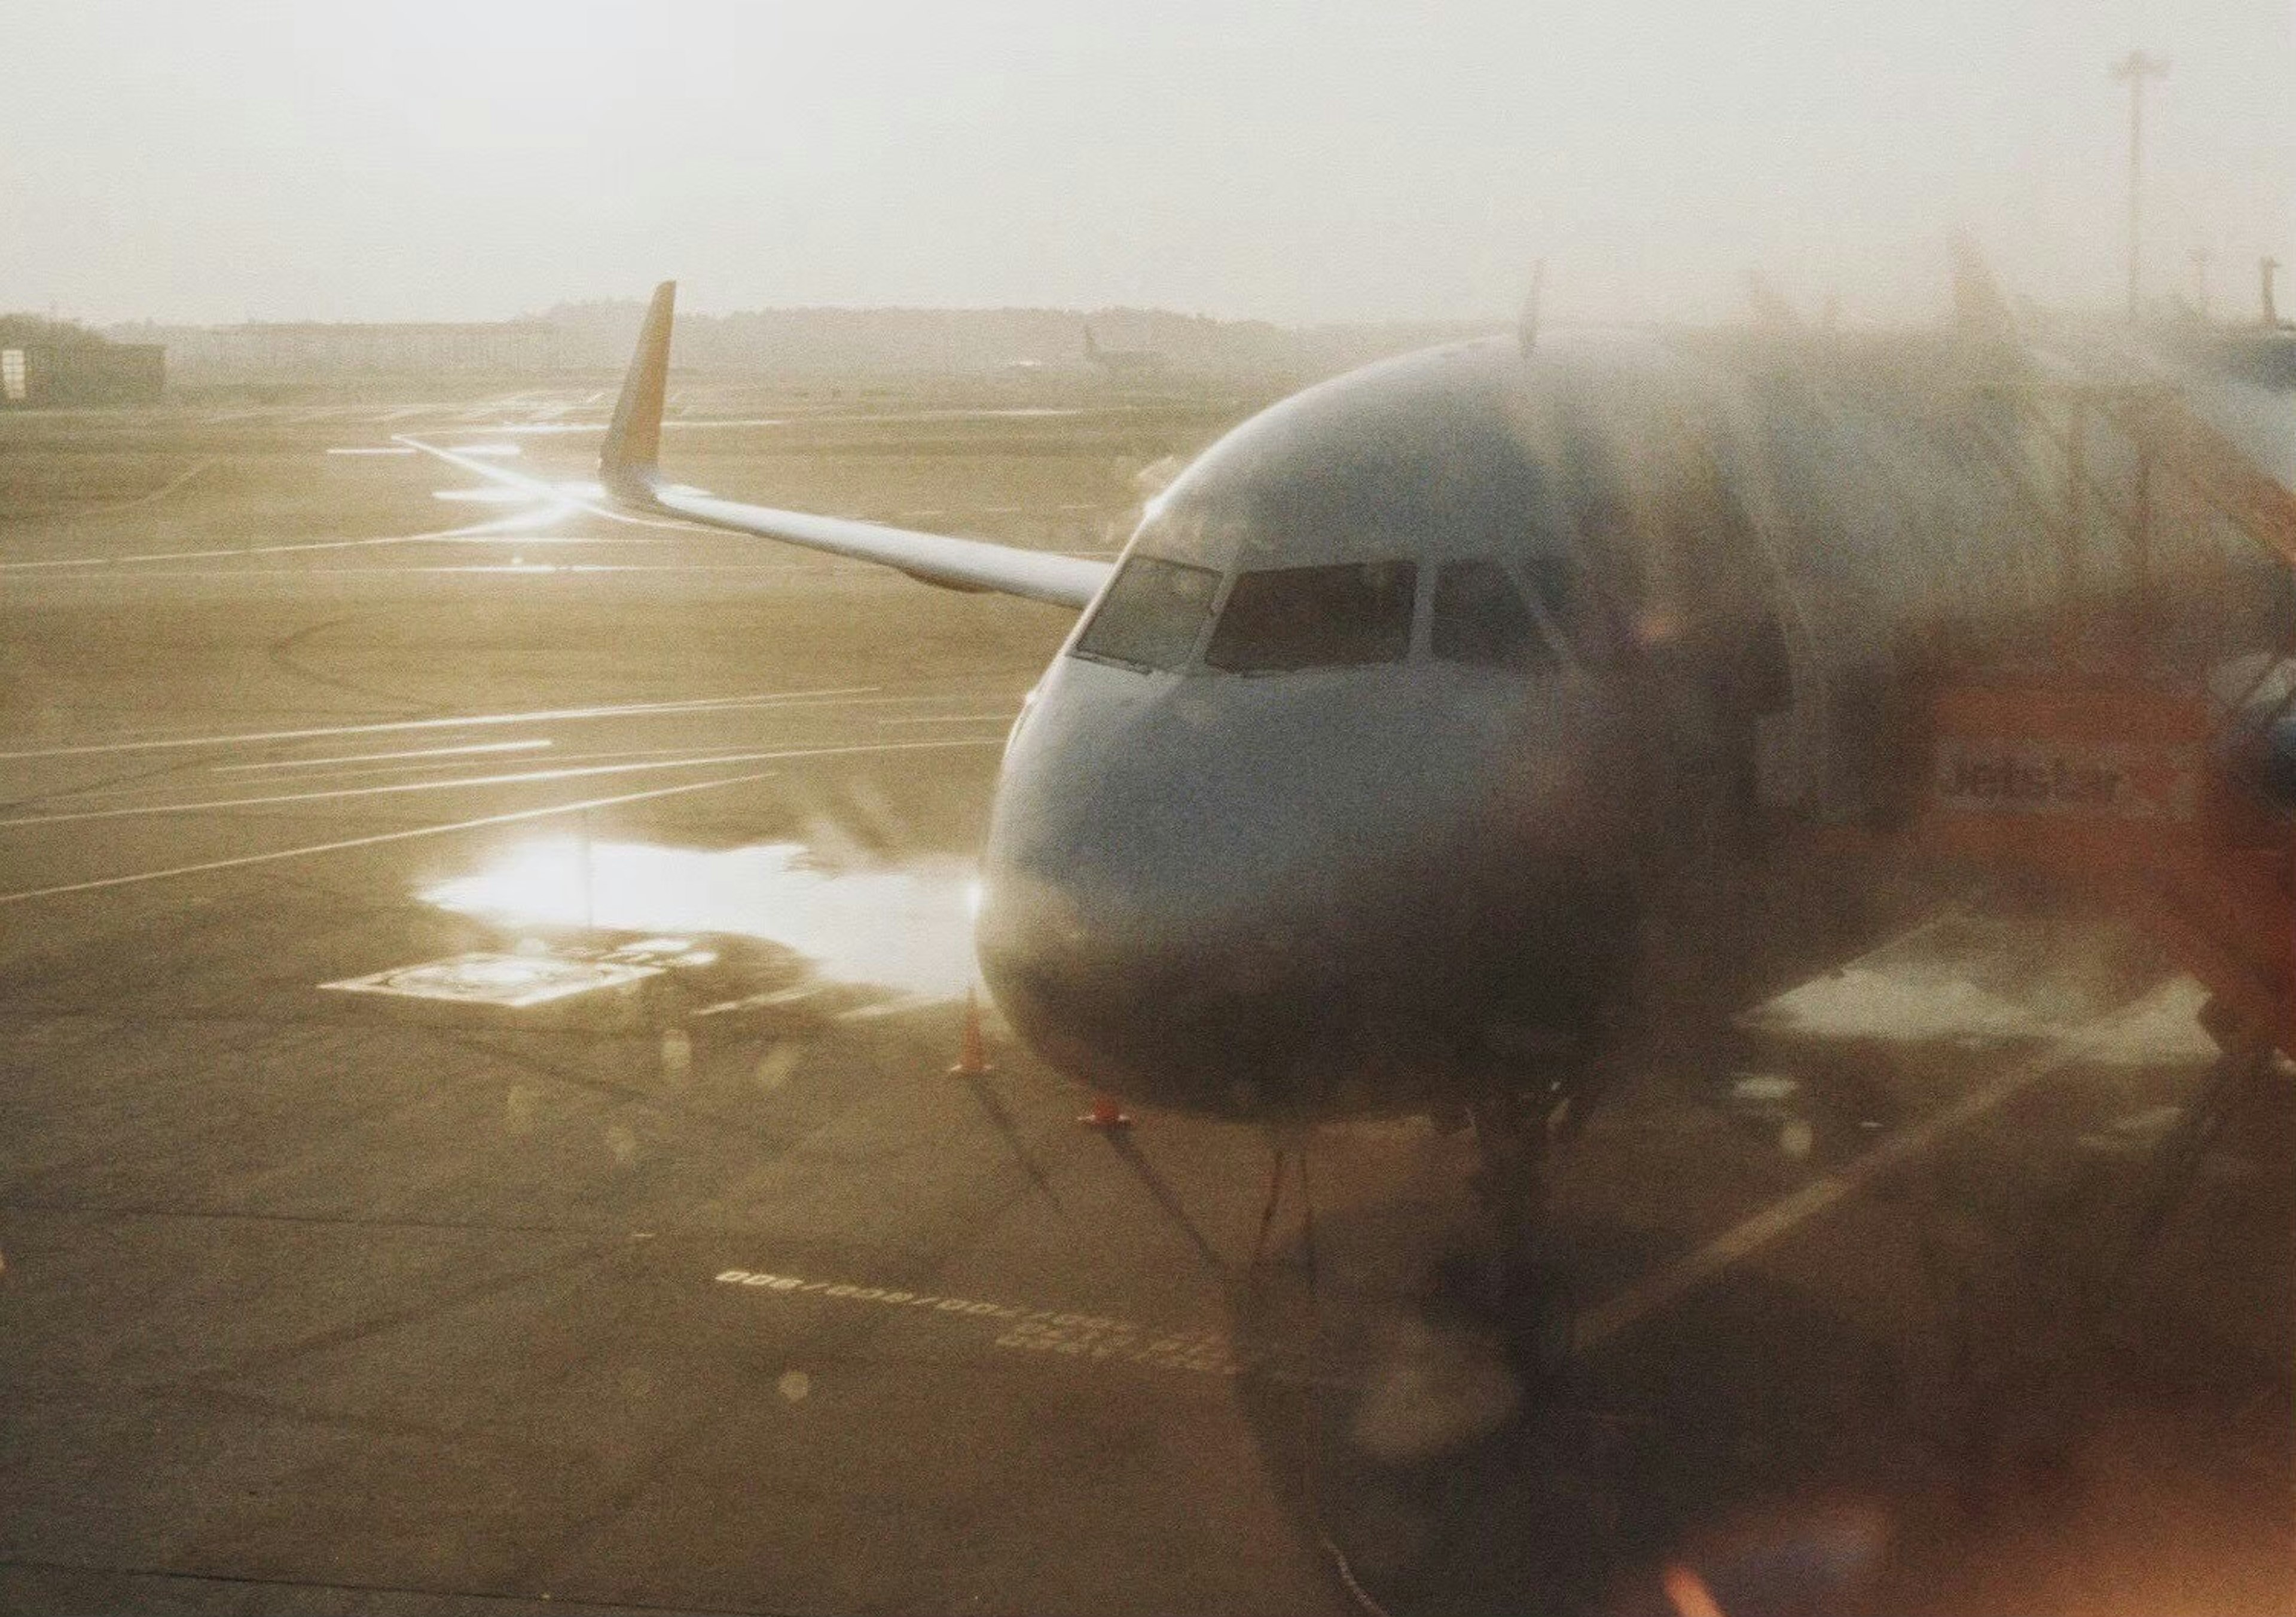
[(908, 928), (1914, 1004), (1979, 979)]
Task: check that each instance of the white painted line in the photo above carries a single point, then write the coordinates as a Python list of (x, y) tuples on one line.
[(902, 1006), (435, 537), (485, 493), (955, 719), (467, 459), (556, 757), (470, 781), (142, 790), (161, 493), (515, 982), (697, 704), (843, 572), (771, 999), (1674, 1280), (1087, 1336), (376, 758), (477, 459), (381, 837)]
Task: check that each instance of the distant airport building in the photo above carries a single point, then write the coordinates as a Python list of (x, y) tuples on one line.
[(35, 375), (312, 348)]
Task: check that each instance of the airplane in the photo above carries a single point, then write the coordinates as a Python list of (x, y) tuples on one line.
[(1454, 723), (1122, 362)]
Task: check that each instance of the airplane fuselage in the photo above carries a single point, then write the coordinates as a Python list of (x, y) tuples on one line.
[(1421, 699)]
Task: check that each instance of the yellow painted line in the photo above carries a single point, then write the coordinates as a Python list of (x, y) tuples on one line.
[(1092, 1337), (1673, 1281)]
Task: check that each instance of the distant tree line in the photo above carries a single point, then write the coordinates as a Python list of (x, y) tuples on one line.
[(38, 330), (829, 340)]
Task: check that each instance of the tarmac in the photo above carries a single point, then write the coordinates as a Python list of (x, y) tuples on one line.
[(477, 1132)]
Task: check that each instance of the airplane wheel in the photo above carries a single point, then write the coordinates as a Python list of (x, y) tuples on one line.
[(1539, 1323), (1527, 1303)]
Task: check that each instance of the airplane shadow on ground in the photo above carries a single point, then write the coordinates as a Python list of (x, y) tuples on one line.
[(1751, 1432)]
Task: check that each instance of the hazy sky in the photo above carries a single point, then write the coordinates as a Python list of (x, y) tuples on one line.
[(426, 159)]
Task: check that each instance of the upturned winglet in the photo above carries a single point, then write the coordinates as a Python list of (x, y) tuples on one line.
[(629, 464)]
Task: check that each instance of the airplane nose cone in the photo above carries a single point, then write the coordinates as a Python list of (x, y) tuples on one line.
[(1252, 900)]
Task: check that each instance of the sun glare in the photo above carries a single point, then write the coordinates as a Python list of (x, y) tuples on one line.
[(905, 929)]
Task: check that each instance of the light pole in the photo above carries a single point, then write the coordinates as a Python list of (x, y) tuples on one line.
[(2135, 68)]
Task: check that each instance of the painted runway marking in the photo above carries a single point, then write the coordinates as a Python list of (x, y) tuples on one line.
[(476, 458), (698, 704), (94, 794), (436, 536), (512, 981), (1087, 1336), (471, 782), (903, 1006), (161, 493), (841, 572), (954, 718), (820, 568), (376, 758), (378, 839), (73, 795), (1676, 1280)]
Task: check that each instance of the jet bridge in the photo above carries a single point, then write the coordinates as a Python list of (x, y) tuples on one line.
[(2160, 784), (2155, 783)]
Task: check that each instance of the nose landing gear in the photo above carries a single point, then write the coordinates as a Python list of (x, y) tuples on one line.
[(1502, 1277), (1288, 1151)]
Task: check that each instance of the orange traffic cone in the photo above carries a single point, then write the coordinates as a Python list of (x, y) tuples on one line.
[(1105, 1113), (972, 1053)]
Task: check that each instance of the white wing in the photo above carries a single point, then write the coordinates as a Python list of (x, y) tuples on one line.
[(628, 466)]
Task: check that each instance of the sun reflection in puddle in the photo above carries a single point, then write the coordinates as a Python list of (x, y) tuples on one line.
[(1901, 997), (908, 928), (1912, 1005)]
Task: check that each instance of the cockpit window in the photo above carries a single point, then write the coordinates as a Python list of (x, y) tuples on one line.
[(1479, 618), (1152, 614), (1289, 617)]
